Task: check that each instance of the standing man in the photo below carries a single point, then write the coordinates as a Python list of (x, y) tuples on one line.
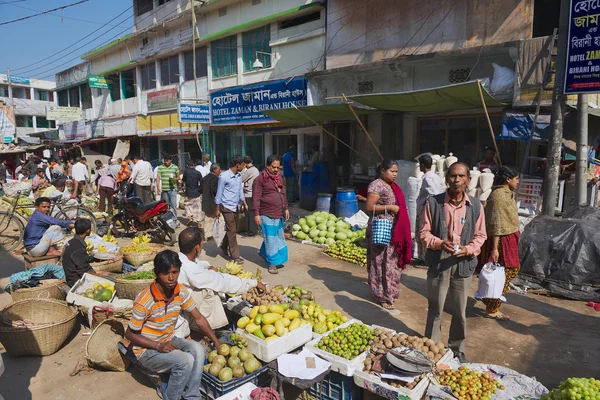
[(289, 174), (114, 167), (432, 185), (210, 186), (204, 165), (81, 175), (230, 194), (141, 177), (249, 174), (271, 209), (3, 171), (192, 182), (453, 232), (167, 175)]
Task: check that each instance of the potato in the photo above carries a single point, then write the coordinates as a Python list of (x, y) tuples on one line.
[(431, 356), (440, 345), (388, 343), (434, 349), (429, 342)]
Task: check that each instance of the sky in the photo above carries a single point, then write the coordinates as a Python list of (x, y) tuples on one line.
[(37, 47)]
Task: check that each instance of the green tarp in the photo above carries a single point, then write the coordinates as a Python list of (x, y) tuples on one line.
[(304, 115), (460, 96)]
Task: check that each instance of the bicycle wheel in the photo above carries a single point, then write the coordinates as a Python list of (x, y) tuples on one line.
[(74, 212), (11, 231)]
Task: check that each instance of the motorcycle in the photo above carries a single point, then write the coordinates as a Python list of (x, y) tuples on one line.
[(154, 219)]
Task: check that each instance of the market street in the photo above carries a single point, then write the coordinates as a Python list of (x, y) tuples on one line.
[(548, 338)]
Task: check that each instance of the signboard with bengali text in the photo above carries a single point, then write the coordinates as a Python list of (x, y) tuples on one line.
[(54, 113), (583, 49), (190, 113), (99, 82), (163, 100)]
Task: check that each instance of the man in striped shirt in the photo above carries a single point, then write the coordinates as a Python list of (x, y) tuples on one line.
[(152, 330), (167, 176)]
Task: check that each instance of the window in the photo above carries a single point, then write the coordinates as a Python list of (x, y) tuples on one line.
[(115, 89), (50, 96), (86, 97), (545, 17), (42, 122), (128, 83), (223, 53), (256, 2), (169, 70), (222, 12), (188, 62), (303, 19), (63, 99), (41, 95), (257, 40), (161, 2), (143, 6), (144, 41), (24, 121), (3, 91), (74, 96), (148, 76)]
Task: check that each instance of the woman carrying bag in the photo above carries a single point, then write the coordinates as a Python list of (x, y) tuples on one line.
[(389, 239), (502, 225)]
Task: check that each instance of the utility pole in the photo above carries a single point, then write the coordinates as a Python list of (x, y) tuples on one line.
[(582, 149), (12, 104), (194, 67), (558, 111)]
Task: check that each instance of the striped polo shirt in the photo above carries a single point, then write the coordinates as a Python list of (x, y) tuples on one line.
[(155, 317), (166, 173)]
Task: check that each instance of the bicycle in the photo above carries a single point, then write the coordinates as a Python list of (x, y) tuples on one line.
[(12, 222)]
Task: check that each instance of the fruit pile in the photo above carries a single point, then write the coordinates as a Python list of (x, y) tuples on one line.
[(257, 298), (137, 248), (229, 362), (295, 293), (139, 275), (109, 238), (348, 251), (467, 384), (89, 246), (99, 292), (347, 342), (235, 269), (575, 389), (271, 322), (320, 319), (22, 201), (386, 340), (324, 228), (141, 239)]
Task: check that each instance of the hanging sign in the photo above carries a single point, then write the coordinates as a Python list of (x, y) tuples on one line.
[(99, 82), (583, 49), (190, 113)]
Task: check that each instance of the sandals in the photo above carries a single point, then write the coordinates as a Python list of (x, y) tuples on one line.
[(273, 270), (499, 317), (387, 306)]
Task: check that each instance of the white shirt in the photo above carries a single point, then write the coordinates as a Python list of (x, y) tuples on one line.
[(80, 172), (204, 170), (196, 275), (432, 185), (142, 173)]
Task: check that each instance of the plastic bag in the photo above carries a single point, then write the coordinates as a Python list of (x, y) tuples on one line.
[(503, 79), (182, 328), (491, 282), (219, 230)]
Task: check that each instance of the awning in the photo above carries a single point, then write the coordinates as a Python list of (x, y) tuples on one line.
[(517, 126), (461, 96), (304, 115)]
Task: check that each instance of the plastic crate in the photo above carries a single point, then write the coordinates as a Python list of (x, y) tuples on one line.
[(212, 388), (336, 386), (269, 351)]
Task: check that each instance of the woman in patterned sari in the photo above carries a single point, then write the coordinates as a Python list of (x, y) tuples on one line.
[(385, 263), (502, 226)]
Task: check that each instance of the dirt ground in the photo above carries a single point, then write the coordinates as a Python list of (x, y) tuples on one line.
[(548, 338)]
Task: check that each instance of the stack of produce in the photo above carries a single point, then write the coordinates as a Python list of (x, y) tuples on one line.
[(271, 322), (347, 342), (231, 362), (140, 275), (386, 340), (348, 251), (320, 319), (575, 389), (325, 228), (99, 292), (467, 384), (235, 269), (255, 297), (22, 201), (143, 239), (109, 238), (296, 293)]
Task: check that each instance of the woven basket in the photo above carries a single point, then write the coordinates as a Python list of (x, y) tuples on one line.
[(101, 348), (115, 265), (49, 289), (136, 259), (36, 327), (129, 289), (99, 315)]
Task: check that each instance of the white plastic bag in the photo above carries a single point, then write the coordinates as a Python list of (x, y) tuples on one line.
[(491, 282), (503, 79), (219, 230), (182, 328)]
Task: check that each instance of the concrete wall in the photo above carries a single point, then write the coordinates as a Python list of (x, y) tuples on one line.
[(360, 32), (159, 13)]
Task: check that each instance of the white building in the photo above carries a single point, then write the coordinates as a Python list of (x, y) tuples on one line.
[(151, 71)]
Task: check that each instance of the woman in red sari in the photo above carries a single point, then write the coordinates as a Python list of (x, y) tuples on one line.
[(385, 263)]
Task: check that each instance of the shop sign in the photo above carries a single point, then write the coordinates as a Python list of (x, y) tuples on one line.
[(190, 113), (245, 104), (162, 100), (74, 130), (63, 113), (99, 82), (583, 54), (7, 123), (15, 79)]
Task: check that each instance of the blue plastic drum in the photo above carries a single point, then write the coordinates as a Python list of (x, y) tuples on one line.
[(308, 190), (346, 204), (324, 202)]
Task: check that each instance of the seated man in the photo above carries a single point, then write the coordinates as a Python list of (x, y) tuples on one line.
[(43, 232), (152, 330), (76, 260), (205, 281)]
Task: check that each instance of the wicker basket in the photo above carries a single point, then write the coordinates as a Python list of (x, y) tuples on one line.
[(101, 349), (136, 259), (36, 327), (129, 289), (115, 265), (49, 289), (101, 314)]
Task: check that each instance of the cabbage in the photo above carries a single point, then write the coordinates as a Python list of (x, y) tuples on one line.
[(320, 219), (301, 235), (330, 235), (341, 236), (321, 240), (313, 234), (322, 227), (322, 233), (311, 221), (330, 241), (305, 228), (296, 227), (302, 221)]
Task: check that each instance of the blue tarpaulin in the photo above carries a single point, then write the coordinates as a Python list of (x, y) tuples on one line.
[(517, 126)]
